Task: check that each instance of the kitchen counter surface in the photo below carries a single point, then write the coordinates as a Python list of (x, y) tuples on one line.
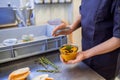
[(78, 71)]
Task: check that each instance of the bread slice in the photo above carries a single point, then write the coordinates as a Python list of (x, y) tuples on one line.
[(43, 77), (40, 77), (48, 78), (19, 74)]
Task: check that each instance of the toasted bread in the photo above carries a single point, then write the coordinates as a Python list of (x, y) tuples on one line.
[(20, 74), (43, 77), (48, 78)]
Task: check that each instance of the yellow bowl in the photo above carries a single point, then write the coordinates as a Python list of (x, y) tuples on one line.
[(68, 52)]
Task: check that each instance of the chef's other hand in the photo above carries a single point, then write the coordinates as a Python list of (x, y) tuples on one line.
[(61, 30), (79, 58)]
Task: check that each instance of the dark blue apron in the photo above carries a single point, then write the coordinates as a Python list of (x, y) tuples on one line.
[(100, 21)]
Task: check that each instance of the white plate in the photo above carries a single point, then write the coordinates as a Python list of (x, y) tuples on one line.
[(9, 42)]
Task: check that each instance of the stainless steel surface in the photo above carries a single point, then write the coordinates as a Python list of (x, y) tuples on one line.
[(68, 72), (118, 77)]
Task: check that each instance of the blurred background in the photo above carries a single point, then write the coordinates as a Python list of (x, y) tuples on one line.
[(37, 12)]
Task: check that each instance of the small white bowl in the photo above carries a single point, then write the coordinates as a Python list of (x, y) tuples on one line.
[(10, 42)]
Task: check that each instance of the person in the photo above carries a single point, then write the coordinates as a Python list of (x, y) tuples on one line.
[(100, 22)]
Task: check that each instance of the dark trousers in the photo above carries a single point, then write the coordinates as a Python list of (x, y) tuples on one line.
[(105, 65), (107, 72)]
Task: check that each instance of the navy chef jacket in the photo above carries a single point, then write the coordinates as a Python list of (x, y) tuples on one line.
[(100, 21)]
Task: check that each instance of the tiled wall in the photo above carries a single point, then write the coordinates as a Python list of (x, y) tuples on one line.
[(45, 12)]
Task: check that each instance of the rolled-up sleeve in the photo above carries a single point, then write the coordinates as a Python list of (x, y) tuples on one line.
[(116, 28)]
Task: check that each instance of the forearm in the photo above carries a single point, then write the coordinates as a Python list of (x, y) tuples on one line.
[(103, 48), (76, 24)]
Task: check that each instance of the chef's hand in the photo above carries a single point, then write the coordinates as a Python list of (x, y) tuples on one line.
[(63, 32), (79, 58)]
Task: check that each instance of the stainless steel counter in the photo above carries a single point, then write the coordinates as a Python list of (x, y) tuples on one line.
[(68, 72)]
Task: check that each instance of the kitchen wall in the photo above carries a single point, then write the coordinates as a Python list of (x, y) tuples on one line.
[(45, 12), (14, 3), (77, 33), (64, 11)]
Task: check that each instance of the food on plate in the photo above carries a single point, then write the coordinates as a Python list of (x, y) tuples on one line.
[(19, 74), (43, 77), (68, 52)]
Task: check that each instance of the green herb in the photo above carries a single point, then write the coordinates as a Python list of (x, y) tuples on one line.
[(51, 71), (68, 47), (42, 63), (49, 62)]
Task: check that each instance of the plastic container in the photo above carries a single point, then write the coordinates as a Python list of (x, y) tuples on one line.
[(6, 54), (41, 42), (68, 52), (29, 49)]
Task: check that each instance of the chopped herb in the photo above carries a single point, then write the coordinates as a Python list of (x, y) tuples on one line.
[(44, 62), (51, 71), (68, 47)]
